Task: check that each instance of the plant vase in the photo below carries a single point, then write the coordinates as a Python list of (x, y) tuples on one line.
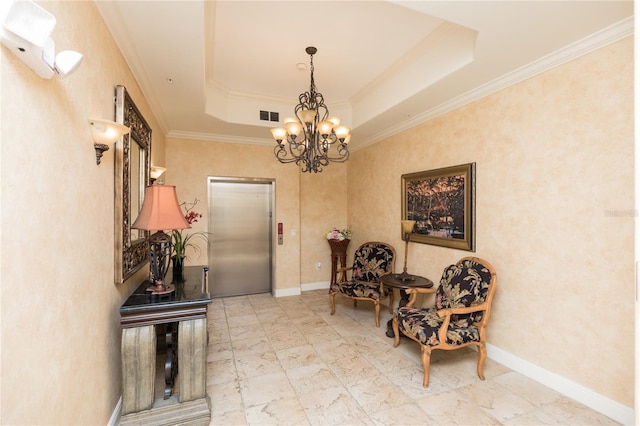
[(178, 268)]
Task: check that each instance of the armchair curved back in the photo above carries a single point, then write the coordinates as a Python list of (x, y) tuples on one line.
[(372, 260), (465, 284)]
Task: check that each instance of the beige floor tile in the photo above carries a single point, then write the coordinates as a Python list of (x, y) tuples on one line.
[(299, 356), (320, 334), (389, 361), (407, 414), (276, 326), (495, 400), (529, 389), (244, 320), (218, 351), (287, 361), (218, 335), (273, 312), (246, 332), (287, 339), (311, 378), (332, 406), (221, 372), (226, 397), (409, 381), (538, 416), (257, 364), (456, 371), (265, 389), (571, 412), (353, 369), (335, 349), (255, 345), (451, 409), (309, 321), (235, 301), (234, 418), (285, 412), (376, 394)]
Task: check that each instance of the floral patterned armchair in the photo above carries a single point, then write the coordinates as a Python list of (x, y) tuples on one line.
[(459, 317), (371, 260)]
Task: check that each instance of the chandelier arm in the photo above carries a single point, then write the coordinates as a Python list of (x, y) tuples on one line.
[(311, 151)]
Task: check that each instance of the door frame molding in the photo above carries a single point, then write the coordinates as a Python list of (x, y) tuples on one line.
[(253, 180)]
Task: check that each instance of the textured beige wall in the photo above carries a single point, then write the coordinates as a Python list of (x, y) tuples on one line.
[(554, 210), (60, 318), (555, 179), (189, 164), (323, 205)]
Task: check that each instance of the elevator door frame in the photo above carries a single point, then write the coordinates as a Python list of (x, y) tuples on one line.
[(272, 221)]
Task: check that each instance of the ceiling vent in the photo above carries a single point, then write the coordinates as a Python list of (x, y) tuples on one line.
[(269, 116)]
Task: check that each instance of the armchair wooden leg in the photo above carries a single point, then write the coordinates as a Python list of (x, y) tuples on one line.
[(332, 299), (482, 357), (426, 360), (377, 304), (396, 332)]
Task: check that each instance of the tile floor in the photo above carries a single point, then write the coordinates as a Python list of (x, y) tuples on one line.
[(287, 361)]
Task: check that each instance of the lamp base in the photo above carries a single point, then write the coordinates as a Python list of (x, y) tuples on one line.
[(161, 288)]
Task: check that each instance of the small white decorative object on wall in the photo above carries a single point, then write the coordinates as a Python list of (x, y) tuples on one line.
[(26, 29)]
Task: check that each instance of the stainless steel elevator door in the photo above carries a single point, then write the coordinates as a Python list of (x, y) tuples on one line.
[(240, 228)]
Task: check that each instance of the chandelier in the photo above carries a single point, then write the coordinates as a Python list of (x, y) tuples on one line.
[(312, 139)]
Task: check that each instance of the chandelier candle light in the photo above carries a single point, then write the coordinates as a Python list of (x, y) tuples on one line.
[(313, 138), (407, 229)]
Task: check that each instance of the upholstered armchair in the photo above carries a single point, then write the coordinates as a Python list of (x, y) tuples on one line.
[(371, 260), (459, 317)]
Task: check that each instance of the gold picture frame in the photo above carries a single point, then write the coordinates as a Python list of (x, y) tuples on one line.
[(132, 175), (442, 202)]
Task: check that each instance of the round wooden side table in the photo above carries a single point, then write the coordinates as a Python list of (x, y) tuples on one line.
[(404, 282)]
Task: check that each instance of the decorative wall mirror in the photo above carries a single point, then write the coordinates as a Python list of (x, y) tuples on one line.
[(132, 176)]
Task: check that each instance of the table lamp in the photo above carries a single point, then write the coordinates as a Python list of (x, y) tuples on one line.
[(407, 229), (160, 211)]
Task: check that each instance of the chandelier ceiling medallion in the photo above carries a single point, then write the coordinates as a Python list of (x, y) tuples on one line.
[(312, 139)]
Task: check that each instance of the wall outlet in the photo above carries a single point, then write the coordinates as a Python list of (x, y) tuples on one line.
[(318, 266)]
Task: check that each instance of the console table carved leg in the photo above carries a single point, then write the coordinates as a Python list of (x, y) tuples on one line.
[(192, 352), (171, 361), (138, 367)]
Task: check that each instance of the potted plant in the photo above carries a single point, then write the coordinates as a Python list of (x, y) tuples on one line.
[(182, 240)]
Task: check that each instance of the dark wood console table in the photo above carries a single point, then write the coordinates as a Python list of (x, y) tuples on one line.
[(184, 312)]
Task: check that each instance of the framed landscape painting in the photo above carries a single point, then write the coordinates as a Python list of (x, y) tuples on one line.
[(442, 202)]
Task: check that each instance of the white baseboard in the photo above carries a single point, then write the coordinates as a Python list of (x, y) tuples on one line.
[(115, 416), (610, 408), (303, 287), (320, 285), (287, 292)]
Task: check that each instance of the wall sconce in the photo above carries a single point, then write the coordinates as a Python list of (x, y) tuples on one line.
[(25, 29), (156, 172), (105, 132)]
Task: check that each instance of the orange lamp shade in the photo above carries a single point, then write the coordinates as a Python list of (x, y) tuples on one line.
[(160, 210)]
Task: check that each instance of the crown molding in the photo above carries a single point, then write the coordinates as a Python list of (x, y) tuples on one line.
[(612, 34), (212, 137), (615, 32)]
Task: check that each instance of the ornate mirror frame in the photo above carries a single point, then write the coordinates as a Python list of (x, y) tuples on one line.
[(131, 248)]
